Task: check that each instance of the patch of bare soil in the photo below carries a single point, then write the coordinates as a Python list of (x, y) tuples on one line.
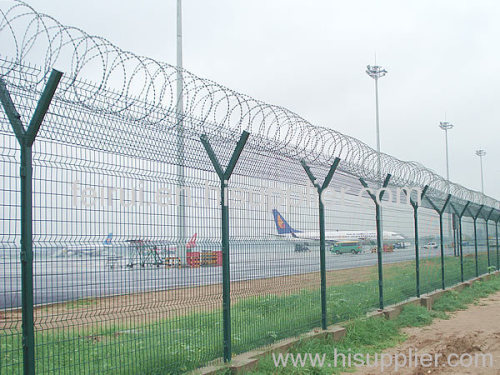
[(473, 334), (130, 309)]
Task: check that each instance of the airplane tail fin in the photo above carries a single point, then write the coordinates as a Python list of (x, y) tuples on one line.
[(281, 225), (192, 242), (108, 239)]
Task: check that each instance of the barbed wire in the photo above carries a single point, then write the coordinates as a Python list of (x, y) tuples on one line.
[(148, 86)]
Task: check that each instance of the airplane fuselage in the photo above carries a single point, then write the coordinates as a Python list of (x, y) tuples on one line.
[(337, 236)]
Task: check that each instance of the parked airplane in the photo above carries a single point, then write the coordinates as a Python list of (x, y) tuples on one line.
[(91, 250), (285, 230)]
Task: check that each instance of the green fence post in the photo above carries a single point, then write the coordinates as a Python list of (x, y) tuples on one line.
[(475, 247), (378, 218), (415, 225), (456, 239), (440, 211), (224, 177), (26, 139), (460, 248), (442, 240), (322, 241), (417, 251), (488, 245), (461, 239), (488, 238)]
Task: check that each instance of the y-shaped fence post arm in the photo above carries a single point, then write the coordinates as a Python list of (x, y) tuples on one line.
[(440, 212), (415, 226), (475, 239), (377, 199), (26, 139), (322, 238), (224, 176)]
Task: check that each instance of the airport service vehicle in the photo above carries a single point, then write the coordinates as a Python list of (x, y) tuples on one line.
[(387, 249), (344, 247), (302, 248), (430, 245), (143, 253)]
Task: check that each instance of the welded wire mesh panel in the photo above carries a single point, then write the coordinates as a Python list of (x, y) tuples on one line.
[(398, 252), (351, 265), (430, 252), (109, 275), (452, 274), (494, 250), (275, 282), (490, 246), (482, 246), (108, 260), (10, 270), (274, 275), (468, 248)]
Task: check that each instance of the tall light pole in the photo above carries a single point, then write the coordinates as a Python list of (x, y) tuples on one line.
[(377, 72), (445, 125), (181, 217), (481, 153)]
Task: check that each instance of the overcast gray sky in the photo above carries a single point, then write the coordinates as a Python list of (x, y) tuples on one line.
[(311, 56)]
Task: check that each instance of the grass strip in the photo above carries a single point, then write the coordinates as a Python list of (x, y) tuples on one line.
[(373, 335)]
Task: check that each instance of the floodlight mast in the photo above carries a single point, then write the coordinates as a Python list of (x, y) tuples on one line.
[(376, 72), (445, 125), (481, 153)]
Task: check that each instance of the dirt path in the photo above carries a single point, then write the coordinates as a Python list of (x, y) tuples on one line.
[(475, 331)]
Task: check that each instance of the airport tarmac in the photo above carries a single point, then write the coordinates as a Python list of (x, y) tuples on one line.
[(59, 279)]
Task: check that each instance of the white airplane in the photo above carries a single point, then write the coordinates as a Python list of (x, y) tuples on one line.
[(92, 250), (285, 230)]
